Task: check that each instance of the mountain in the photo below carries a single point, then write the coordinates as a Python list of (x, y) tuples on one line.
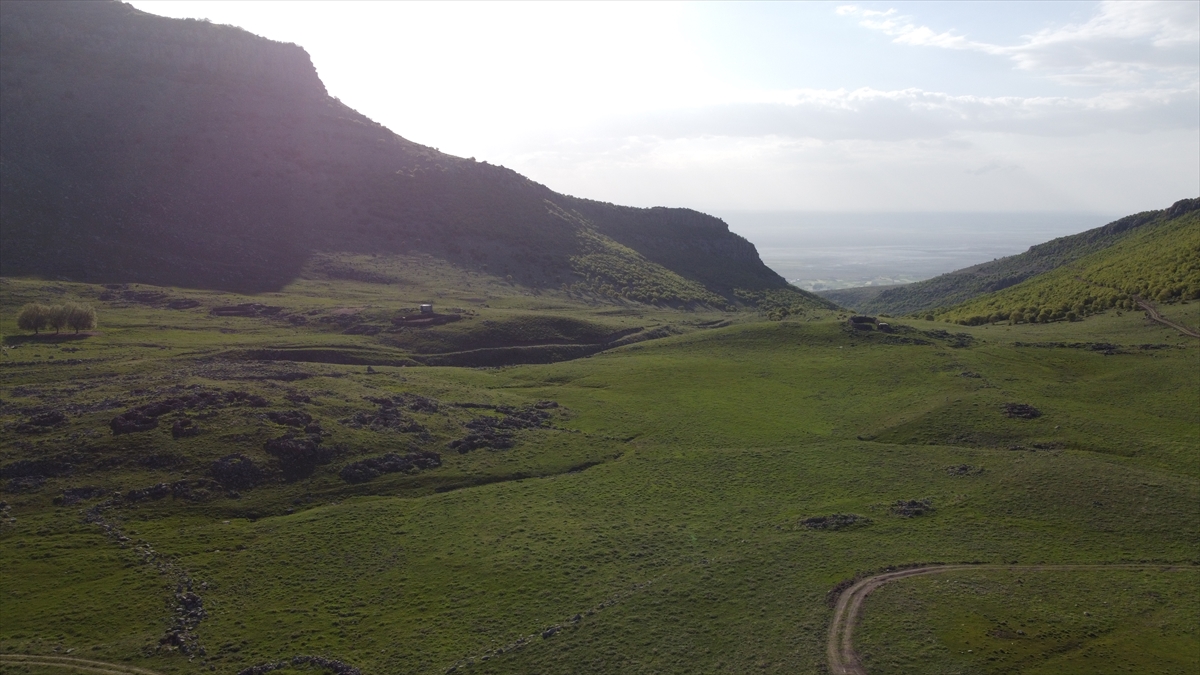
[(1158, 260), (960, 286), (136, 148)]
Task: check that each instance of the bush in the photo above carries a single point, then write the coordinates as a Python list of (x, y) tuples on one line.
[(33, 317), (80, 317)]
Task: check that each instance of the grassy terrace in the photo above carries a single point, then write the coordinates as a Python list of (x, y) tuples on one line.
[(654, 523)]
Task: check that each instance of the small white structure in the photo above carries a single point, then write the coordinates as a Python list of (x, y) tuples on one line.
[(427, 308)]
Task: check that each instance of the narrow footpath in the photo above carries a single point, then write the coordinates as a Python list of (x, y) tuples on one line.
[(77, 665)]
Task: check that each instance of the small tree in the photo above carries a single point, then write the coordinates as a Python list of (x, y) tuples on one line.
[(33, 317), (80, 317), (57, 317)]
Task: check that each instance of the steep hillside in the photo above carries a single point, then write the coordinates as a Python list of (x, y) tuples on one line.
[(1159, 261), (135, 148), (962, 285)]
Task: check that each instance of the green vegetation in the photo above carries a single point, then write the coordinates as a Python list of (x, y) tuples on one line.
[(1034, 622), (1159, 262), (35, 317), (962, 286), (658, 518)]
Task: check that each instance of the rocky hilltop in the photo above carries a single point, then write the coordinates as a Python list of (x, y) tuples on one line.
[(136, 148)]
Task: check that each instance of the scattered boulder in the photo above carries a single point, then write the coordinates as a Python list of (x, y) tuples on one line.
[(487, 439), (1021, 410), (49, 466), (184, 428), (291, 418), (884, 327), (75, 495), (236, 472), (368, 469), (25, 484), (183, 303), (551, 631), (964, 470), (543, 405), (909, 508), (387, 417), (836, 521), (331, 665), (154, 492), (41, 422), (145, 417), (299, 456), (418, 403), (246, 309)]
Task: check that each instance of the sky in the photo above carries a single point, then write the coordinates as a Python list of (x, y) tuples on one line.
[(831, 107)]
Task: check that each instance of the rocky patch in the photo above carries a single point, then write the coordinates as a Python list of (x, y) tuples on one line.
[(910, 508), (836, 521), (72, 496), (236, 472), (388, 417), (299, 456), (964, 470), (368, 469), (145, 417), (291, 418), (331, 665), (41, 422), (1021, 410), (184, 428)]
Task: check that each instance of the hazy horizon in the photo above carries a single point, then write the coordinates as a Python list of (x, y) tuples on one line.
[(830, 250)]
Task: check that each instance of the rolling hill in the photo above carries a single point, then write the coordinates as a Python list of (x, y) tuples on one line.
[(1158, 261), (954, 288), (136, 148)]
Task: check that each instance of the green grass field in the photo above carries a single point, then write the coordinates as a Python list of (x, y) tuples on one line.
[(653, 525)]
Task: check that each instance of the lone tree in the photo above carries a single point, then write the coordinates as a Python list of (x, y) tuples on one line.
[(80, 317), (57, 318), (33, 317)]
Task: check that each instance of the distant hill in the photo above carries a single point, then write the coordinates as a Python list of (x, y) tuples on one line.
[(963, 285), (854, 297), (1158, 260), (136, 148)]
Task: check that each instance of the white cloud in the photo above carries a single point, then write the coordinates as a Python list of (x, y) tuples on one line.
[(1125, 43), (873, 114)]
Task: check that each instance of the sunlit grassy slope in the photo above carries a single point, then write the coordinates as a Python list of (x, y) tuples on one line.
[(653, 526), (1158, 262)]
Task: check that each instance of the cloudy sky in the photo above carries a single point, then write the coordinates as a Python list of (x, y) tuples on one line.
[(1011, 106)]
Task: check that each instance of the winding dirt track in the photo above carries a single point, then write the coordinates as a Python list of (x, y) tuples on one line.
[(839, 648), (78, 665), (1153, 315)]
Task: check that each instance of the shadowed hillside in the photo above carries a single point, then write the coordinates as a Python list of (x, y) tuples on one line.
[(137, 148), (963, 285)]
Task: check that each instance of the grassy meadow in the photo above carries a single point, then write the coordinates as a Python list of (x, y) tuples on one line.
[(652, 522)]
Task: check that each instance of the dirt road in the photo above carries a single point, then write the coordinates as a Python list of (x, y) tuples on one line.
[(69, 663), (839, 648), (1153, 315)]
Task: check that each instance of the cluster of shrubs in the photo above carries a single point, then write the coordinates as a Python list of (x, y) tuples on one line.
[(75, 316)]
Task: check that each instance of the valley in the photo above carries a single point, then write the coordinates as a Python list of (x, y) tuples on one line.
[(649, 517)]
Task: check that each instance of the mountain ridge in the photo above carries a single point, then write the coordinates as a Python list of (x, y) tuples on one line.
[(964, 285), (136, 148)]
